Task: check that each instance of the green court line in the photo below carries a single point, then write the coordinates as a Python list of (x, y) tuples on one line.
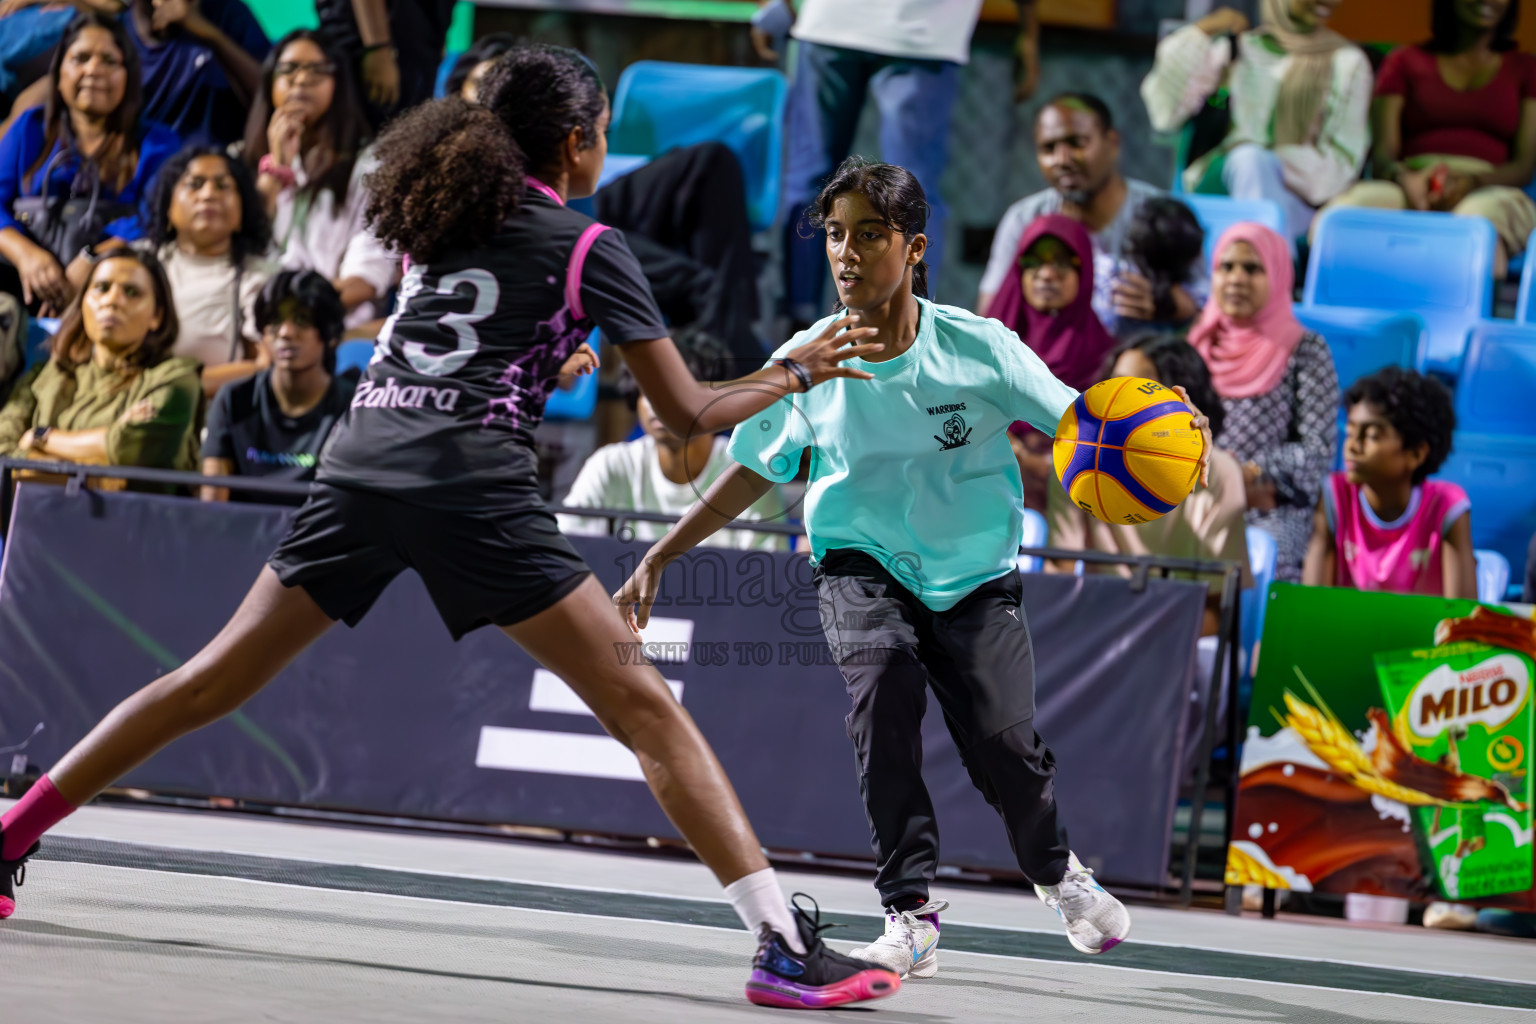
[(638, 906), (169, 662)]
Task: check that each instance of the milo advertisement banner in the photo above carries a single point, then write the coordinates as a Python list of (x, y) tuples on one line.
[(1388, 749)]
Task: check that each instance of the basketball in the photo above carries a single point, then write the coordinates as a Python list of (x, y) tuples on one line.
[(1127, 452)]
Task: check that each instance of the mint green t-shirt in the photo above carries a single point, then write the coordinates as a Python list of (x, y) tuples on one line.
[(914, 467)]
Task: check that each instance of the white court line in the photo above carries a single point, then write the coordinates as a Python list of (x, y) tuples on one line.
[(716, 928), (829, 909)]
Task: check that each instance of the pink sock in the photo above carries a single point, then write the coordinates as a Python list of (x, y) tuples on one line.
[(35, 813)]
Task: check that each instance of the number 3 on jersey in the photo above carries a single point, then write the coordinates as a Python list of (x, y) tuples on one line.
[(487, 293)]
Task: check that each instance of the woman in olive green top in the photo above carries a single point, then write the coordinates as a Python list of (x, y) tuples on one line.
[(111, 394)]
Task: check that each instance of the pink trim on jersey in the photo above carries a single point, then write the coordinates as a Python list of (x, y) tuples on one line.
[(573, 269), (539, 186), (1405, 556)]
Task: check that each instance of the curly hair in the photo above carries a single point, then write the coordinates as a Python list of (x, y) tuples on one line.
[(1418, 407), (71, 346), (894, 192), (542, 93), (253, 235), (1167, 242), (449, 174), (1178, 364)]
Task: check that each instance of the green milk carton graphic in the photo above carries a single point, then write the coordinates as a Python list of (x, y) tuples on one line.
[(1457, 734)]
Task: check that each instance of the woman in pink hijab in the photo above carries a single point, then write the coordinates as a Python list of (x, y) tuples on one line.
[(1047, 300), (1277, 385)]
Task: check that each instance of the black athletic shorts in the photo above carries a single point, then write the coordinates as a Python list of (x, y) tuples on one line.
[(481, 568)]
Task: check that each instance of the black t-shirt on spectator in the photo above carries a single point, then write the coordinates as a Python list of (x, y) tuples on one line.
[(248, 427), (447, 408)]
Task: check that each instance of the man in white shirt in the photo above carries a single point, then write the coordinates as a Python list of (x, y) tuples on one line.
[(1078, 149), (908, 53)]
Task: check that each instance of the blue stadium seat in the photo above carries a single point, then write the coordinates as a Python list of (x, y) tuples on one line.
[(1217, 213), (1498, 472), (1496, 392), (1263, 553), (660, 105), (579, 402), (1363, 341), (1435, 264), (1525, 306), (354, 355), (1036, 535), (1492, 577)]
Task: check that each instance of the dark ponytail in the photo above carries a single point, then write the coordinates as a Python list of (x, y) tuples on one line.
[(893, 191), (542, 93), (449, 174)]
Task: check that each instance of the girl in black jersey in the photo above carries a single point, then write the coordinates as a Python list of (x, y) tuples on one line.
[(432, 469)]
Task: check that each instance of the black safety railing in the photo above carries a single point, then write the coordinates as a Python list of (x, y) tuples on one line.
[(621, 526)]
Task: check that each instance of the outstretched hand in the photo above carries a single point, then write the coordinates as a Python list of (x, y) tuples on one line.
[(1203, 425), (824, 355)]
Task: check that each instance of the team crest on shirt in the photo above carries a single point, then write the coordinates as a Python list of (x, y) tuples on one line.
[(956, 433)]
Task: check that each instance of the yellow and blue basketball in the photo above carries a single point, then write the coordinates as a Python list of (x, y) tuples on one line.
[(1127, 451)]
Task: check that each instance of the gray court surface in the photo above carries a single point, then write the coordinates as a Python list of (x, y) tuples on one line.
[(143, 915)]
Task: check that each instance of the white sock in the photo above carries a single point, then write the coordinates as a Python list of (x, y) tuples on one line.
[(759, 900)]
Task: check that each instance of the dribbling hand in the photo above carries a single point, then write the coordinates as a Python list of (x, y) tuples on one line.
[(824, 356), (1203, 425)]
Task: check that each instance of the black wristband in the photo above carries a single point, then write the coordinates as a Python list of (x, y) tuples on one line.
[(377, 46), (801, 373)]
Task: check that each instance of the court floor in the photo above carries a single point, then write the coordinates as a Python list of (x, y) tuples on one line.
[(146, 915)]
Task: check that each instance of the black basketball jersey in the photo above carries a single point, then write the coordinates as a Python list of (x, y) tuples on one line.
[(462, 369)]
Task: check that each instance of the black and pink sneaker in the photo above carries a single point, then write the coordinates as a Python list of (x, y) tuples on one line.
[(819, 979), (12, 874)]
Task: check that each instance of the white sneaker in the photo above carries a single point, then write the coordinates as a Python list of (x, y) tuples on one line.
[(910, 944), (1095, 920)]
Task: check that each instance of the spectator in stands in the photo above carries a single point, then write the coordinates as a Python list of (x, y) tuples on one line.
[(1382, 524), (464, 78), (210, 231), (273, 425), (1078, 149), (112, 393), (1166, 247), (663, 473), (909, 56), (200, 63), (305, 139), (1279, 390), (1046, 300), (1210, 523), (1454, 123), (89, 141), (1299, 102), (391, 48)]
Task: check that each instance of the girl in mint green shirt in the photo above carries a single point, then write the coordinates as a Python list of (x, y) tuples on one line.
[(914, 511)]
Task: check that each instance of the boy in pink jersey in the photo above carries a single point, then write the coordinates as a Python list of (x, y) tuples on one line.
[(1382, 524)]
